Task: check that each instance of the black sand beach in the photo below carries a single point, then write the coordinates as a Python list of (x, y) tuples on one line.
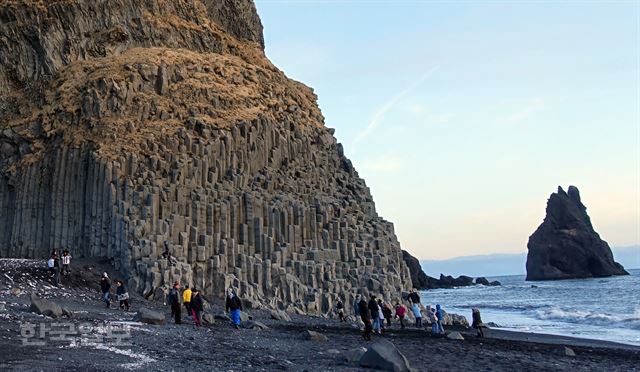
[(283, 346)]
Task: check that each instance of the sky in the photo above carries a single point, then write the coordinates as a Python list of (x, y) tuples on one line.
[(464, 116)]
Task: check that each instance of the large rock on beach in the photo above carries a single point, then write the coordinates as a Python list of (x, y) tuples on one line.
[(47, 308), (280, 315), (354, 355), (148, 316), (158, 134), (253, 324), (385, 356), (566, 246), (315, 336)]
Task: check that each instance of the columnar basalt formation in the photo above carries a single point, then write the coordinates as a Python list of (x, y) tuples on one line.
[(566, 246), (133, 129)]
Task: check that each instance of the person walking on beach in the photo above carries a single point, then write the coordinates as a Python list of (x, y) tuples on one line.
[(477, 322), (66, 262), (197, 307), (51, 262), (381, 314), (340, 310), (388, 313), (174, 302), (356, 306), (401, 311), (186, 298), (56, 269), (440, 317), (122, 295), (365, 316), (374, 312), (105, 286), (233, 305)]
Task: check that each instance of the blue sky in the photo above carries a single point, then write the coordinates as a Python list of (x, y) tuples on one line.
[(463, 116)]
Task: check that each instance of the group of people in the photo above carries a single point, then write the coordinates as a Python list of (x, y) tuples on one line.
[(121, 292), (58, 265), (193, 302), (375, 312)]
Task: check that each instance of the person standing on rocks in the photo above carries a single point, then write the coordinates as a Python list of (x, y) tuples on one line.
[(374, 310), (340, 310), (401, 311), (440, 317), (363, 310), (174, 302), (186, 298), (414, 300), (122, 295), (233, 306), (197, 307), (418, 314), (433, 319), (105, 286), (66, 261)]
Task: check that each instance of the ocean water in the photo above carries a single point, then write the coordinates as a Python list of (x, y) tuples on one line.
[(598, 308)]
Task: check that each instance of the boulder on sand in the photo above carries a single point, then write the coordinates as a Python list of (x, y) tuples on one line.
[(385, 356), (280, 315), (223, 316), (208, 318), (147, 316), (455, 336), (47, 308), (253, 324), (354, 355), (315, 336)]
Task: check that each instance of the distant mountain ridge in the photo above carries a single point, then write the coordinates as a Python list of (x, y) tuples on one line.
[(509, 263)]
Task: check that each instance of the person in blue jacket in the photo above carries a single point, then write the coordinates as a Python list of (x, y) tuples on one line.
[(440, 317)]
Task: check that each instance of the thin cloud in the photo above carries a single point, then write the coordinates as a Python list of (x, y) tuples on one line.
[(384, 164), (525, 113), (379, 114)]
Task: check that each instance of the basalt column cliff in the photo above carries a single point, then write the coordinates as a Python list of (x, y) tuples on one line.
[(131, 128)]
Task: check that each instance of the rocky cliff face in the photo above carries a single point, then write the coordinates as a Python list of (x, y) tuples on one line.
[(131, 128), (566, 246)]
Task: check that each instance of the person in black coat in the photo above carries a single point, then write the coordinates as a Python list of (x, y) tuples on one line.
[(122, 295), (233, 306), (374, 309), (174, 301), (105, 287), (197, 307), (363, 310)]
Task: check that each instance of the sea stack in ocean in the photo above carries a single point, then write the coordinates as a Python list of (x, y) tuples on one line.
[(566, 246)]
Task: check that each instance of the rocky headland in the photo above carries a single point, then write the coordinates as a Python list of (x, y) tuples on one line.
[(158, 135), (566, 246), (423, 281)]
